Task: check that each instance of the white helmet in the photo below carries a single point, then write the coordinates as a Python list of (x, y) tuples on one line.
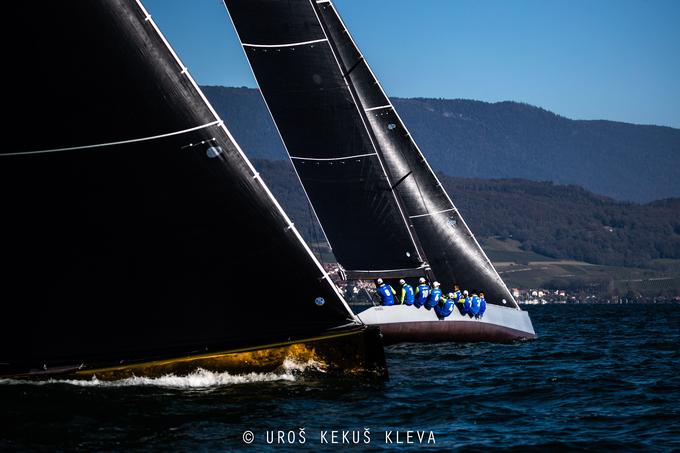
[(435, 284), (465, 292), (421, 280), (380, 281), (402, 281), (451, 295)]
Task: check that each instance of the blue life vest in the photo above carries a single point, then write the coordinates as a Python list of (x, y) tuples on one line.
[(422, 293), (466, 304), (474, 305), (433, 300), (407, 296), (444, 310), (456, 296), (482, 306), (386, 294)]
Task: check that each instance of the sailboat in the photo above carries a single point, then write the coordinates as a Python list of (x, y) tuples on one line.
[(381, 207), (136, 237)]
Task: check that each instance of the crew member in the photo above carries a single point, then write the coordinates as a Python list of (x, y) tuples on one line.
[(386, 292), (466, 303), (482, 305), (407, 295), (422, 293), (435, 295), (474, 305), (445, 306), (456, 294)]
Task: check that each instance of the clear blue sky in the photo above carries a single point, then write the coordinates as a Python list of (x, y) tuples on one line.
[(584, 59)]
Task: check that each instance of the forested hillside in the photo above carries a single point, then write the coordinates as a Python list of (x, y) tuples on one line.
[(549, 219)]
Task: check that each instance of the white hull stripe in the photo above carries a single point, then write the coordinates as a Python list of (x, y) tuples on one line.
[(430, 213), (122, 142), (293, 44), (388, 106), (334, 158)]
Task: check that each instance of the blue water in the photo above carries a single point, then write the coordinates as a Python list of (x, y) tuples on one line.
[(598, 378)]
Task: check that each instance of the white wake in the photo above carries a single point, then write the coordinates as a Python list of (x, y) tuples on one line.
[(291, 370)]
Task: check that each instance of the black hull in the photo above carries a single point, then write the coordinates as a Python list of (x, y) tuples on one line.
[(357, 351)]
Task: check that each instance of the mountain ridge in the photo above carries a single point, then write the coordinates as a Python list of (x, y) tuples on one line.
[(505, 139)]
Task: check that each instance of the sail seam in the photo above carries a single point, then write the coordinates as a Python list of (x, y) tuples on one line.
[(122, 142), (334, 158), (293, 44), (431, 213)]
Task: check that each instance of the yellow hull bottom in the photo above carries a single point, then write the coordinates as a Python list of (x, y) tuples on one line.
[(356, 352)]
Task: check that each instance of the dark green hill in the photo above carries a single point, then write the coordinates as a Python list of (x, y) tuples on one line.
[(502, 140), (556, 221)]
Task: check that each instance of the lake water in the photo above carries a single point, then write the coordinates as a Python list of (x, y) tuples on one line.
[(598, 378)]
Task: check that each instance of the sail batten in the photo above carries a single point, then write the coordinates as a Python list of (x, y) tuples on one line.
[(292, 44)]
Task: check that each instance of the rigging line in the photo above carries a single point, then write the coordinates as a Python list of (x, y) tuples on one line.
[(292, 44), (400, 181), (122, 142)]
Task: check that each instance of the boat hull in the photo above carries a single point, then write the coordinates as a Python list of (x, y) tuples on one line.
[(401, 323), (357, 351)]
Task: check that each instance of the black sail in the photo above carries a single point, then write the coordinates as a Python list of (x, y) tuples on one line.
[(330, 146), (445, 241), (132, 224)]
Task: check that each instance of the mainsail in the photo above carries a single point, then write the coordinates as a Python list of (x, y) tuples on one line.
[(133, 226), (305, 61)]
